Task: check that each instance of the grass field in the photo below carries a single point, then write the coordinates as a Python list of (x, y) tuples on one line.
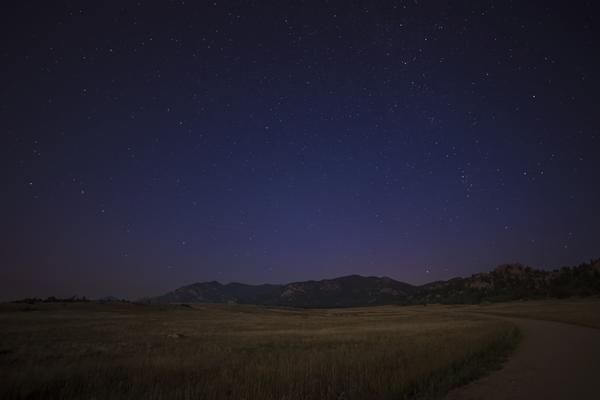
[(578, 311), (115, 351)]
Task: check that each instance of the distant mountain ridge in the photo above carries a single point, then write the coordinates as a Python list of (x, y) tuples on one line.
[(504, 283), (352, 290)]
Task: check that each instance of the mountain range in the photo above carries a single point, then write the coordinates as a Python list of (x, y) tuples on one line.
[(504, 283)]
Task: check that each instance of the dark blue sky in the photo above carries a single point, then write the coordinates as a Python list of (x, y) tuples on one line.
[(150, 145)]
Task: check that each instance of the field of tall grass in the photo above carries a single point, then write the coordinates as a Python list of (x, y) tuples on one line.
[(118, 351), (579, 311)]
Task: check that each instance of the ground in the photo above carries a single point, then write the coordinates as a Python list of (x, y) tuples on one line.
[(553, 361), (120, 350)]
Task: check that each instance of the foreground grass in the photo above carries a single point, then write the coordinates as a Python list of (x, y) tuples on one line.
[(117, 351), (578, 311)]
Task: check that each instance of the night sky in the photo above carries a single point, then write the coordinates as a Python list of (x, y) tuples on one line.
[(150, 145)]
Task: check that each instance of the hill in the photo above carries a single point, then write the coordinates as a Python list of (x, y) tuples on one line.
[(353, 290), (504, 283)]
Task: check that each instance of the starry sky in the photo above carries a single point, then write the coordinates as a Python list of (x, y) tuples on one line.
[(148, 145)]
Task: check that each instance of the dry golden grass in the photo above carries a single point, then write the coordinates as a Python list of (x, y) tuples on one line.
[(116, 351), (578, 311)]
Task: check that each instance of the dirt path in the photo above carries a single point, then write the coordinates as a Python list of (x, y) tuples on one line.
[(553, 361)]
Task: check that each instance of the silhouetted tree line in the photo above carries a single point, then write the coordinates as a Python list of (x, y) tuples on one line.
[(516, 282), (72, 299), (53, 299)]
